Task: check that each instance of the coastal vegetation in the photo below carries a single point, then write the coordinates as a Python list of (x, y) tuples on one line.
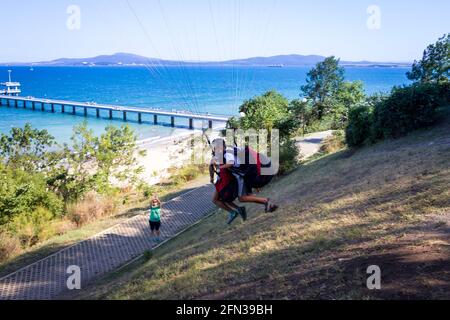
[(47, 189), (329, 102)]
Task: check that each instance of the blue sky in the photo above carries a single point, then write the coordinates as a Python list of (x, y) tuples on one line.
[(221, 29)]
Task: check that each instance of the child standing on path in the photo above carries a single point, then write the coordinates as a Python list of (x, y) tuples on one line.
[(155, 218)]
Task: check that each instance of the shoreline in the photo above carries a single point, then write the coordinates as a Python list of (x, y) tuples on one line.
[(166, 153)]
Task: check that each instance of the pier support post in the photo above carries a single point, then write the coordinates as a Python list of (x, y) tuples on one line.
[(42, 106), (73, 110), (1, 101), (110, 114), (124, 116), (16, 103), (210, 124), (63, 108), (191, 124), (97, 112), (53, 108), (172, 121), (24, 104), (155, 119), (85, 111), (33, 105), (140, 117), (8, 103)]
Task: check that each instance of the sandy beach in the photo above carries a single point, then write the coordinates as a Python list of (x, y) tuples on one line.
[(166, 153)]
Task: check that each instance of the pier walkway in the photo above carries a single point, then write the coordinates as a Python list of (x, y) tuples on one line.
[(72, 107)]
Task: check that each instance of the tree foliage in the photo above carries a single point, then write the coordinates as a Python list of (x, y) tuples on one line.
[(36, 173), (24, 191), (93, 162), (27, 148), (264, 112), (435, 64), (322, 85)]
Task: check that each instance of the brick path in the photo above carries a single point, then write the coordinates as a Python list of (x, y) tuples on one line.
[(107, 251)]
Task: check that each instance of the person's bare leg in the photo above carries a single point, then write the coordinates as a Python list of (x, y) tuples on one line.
[(254, 199), (232, 205), (221, 204)]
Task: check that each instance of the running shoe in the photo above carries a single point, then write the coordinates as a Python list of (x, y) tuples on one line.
[(231, 217)]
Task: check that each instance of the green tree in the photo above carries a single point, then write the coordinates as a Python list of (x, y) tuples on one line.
[(435, 64), (24, 191), (77, 177), (271, 111), (302, 113), (264, 112), (92, 161), (116, 156), (322, 84), (349, 95), (27, 148)]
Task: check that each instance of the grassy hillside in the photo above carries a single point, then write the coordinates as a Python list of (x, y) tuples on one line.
[(386, 205)]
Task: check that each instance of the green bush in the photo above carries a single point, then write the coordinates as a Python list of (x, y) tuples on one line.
[(325, 124), (187, 173), (359, 125), (289, 154), (404, 110), (32, 227), (408, 109), (22, 191)]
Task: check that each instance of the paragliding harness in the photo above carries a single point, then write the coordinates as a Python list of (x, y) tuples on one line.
[(227, 185), (251, 170)]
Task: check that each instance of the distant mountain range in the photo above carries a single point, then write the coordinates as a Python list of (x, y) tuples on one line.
[(127, 59)]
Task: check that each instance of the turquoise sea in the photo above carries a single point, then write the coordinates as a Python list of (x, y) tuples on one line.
[(217, 90)]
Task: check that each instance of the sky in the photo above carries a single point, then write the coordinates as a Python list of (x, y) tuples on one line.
[(212, 30)]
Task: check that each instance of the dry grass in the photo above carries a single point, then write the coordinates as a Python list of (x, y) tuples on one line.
[(9, 246), (387, 205), (334, 143), (179, 176), (92, 207)]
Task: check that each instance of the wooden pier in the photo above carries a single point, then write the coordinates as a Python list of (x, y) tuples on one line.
[(72, 107)]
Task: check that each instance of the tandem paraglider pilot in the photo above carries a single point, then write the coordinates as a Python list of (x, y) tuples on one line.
[(237, 176)]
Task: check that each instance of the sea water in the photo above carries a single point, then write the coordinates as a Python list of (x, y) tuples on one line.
[(215, 90)]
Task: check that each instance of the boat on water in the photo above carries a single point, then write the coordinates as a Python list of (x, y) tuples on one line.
[(276, 66), (10, 88)]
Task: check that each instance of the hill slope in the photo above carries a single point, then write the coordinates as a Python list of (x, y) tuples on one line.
[(386, 205)]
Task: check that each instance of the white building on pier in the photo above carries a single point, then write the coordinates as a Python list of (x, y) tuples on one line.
[(10, 88)]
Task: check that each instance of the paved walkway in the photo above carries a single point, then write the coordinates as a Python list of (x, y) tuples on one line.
[(47, 278), (310, 144)]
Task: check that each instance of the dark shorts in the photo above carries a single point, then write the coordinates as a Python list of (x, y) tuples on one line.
[(155, 225)]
